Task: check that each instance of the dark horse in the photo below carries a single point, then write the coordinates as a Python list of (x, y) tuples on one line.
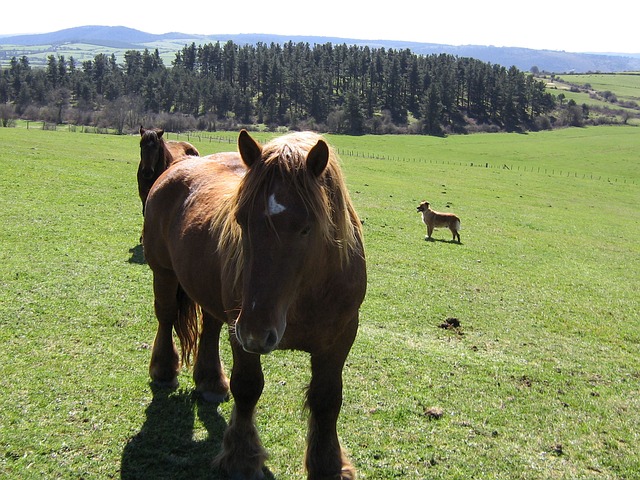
[(155, 157), (267, 241)]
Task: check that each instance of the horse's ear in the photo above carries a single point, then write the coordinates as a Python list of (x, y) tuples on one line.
[(250, 150), (318, 158), (160, 132), (142, 130)]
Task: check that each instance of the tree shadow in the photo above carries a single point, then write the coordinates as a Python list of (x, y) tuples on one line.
[(167, 447), (137, 255)]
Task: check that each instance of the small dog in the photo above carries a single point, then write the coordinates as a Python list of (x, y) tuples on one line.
[(433, 219)]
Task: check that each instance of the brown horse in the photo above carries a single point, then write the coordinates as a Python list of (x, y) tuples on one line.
[(267, 241), (156, 155)]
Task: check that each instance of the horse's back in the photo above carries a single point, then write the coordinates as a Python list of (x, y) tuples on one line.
[(219, 168), (185, 199), (180, 149)]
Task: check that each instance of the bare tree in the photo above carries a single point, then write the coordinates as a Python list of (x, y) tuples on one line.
[(7, 115), (121, 112)]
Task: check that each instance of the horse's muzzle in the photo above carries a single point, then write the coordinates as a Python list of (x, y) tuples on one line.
[(147, 174), (260, 345), (260, 341)]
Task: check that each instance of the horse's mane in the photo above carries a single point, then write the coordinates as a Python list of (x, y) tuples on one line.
[(325, 196)]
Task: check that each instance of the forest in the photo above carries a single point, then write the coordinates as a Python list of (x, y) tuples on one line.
[(332, 88)]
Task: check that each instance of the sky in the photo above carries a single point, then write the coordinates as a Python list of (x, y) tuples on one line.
[(553, 25)]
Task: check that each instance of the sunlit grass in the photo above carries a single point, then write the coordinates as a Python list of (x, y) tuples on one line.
[(539, 381)]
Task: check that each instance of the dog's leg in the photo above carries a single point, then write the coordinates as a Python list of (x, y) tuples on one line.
[(429, 232)]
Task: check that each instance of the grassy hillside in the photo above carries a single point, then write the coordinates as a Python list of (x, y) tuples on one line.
[(539, 381), (611, 95), (625, 85), (39, 54)]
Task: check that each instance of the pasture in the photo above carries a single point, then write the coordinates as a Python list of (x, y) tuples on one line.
[(625, 85), (592, 88), (541, 379)]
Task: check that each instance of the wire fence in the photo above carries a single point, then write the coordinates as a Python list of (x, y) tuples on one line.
[(514, 168), (232, 138), (343, 153)]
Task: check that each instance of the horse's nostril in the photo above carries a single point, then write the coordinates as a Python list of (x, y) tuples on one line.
[(271, 341), (261, 344)]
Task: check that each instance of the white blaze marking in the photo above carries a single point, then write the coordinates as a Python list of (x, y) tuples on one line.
[(274, 208)]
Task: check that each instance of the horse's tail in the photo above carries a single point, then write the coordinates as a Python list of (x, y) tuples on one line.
[(187, 326)]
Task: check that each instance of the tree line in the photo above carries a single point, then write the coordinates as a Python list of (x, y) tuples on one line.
[(326, 87)]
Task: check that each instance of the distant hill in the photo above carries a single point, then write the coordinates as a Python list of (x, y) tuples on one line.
[(116, 37), (119, 39)]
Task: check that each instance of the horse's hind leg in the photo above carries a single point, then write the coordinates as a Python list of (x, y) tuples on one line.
[(242, 453), (165, 363), (211, 382), (325, 458)]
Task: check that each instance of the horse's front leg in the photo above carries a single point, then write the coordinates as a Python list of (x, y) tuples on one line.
[(211, 382), (325, 458), (165, 363), (242, 455)]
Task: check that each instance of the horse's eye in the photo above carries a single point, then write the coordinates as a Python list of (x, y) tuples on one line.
[(241, 218), (305, 231)]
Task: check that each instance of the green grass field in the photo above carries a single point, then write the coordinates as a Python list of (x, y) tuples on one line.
[(625, 86), (38, 54), (541, 380)]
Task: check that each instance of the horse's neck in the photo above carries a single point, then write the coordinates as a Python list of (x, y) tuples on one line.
[(164, 156)]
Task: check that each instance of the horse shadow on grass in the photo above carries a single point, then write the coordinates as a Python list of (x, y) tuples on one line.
[(169, 447), (137, 255)]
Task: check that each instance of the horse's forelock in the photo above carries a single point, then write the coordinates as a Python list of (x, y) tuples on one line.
[(226, 228), (325, 195)]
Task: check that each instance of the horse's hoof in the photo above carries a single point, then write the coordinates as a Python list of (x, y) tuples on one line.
[(169, 384), (212, 397)]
